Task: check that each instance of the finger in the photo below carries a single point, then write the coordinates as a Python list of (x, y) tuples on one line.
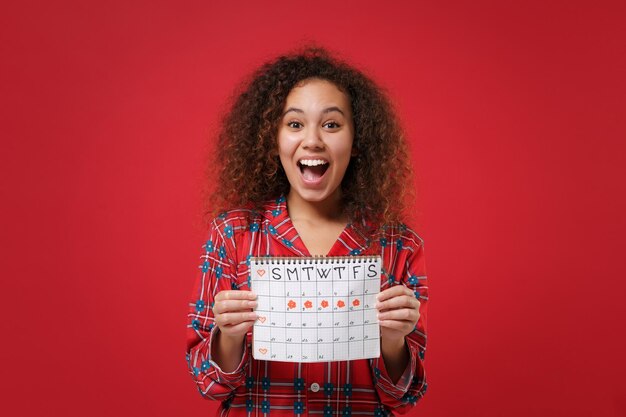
[(234, 318), (226, 306), (403, 301), (394, 291), (235, 295), (404, 314), (237, 328), (404, 326)]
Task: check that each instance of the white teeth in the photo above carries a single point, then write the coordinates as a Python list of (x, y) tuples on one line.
[(312, 162)]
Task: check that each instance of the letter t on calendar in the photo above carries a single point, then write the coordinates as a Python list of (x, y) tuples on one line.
[(316, 309)]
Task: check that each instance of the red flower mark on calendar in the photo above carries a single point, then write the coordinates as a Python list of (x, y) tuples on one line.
[(356, 302), (341, 304), (324, 303), (291, 304), (308, 304)]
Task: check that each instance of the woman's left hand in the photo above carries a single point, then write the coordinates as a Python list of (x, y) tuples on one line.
[(398, 313)]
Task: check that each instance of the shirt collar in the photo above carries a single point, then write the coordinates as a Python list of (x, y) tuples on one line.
[(353, 240)]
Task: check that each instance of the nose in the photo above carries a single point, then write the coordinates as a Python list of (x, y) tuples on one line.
[(312, 139)]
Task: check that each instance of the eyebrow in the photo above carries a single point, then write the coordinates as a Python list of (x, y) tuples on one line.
[(326, 110)]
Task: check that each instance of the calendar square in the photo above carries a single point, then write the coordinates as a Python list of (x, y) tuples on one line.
[(341, 288), (355, 318), (340, 334), (277, 319), (309, 352), (341, 319), (309, 335), (278, 351), (369, 301), (340, 304), (371, 286), (293, 335), (277, 334), (355, 333), (370, 316), (293, 352), (293, 321), (356, 288), (340, 351), (263, 318), (355, 303), (263, 304), (371, 331), (292, 289), (324, 320), (356, 349), (277, 304), (324, 351), (277, 288), (309, 320), (308, 289), (325, 335), (259, 271), (261, 287), (262, 350), (372, 346), (322, 291), (263, 333)]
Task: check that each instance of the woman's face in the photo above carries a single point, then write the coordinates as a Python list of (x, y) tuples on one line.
[(315, 140)]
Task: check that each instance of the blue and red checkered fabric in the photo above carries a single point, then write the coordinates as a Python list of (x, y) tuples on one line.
[(263, 388)]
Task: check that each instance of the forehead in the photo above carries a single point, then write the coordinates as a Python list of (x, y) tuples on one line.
[(315, 91)]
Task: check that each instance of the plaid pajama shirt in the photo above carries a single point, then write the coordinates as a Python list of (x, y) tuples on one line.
[(264, 388)]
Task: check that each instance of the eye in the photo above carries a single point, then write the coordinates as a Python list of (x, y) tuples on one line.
[(294, 125), (331, 125)]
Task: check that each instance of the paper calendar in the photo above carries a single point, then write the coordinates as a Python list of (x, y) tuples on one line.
[(316, 309)]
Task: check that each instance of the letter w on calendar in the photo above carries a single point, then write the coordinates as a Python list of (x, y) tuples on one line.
[(316, 309)]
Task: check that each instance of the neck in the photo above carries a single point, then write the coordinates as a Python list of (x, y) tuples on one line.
[(327, 210)]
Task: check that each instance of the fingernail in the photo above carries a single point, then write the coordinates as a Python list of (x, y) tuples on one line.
[(252, 303), (253, 316), (252, 295)]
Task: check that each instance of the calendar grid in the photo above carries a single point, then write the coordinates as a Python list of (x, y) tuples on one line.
[(316, 309)]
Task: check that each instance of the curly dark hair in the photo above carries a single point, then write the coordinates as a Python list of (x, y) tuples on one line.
[(377, 181)]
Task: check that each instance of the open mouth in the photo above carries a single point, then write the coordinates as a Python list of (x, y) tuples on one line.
[(313, 169)]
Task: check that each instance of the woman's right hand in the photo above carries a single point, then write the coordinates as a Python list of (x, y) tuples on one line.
[(233, 313)]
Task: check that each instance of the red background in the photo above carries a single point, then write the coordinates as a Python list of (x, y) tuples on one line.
[(515, 116)]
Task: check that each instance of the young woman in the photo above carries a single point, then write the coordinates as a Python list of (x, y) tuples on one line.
[(312, 162)]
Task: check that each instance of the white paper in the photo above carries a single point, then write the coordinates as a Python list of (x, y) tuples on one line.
[(316, 309)]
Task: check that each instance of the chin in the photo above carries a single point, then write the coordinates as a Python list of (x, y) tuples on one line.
[(314, 196)]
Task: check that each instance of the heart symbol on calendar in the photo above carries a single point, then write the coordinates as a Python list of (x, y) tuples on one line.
[(261, 272), (262, 319), (263, 350)]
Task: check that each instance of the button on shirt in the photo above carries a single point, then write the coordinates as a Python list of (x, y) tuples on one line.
[(256, 387)]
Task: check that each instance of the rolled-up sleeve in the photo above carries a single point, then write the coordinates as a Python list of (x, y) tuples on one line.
[(411, 386), (217, 272)]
